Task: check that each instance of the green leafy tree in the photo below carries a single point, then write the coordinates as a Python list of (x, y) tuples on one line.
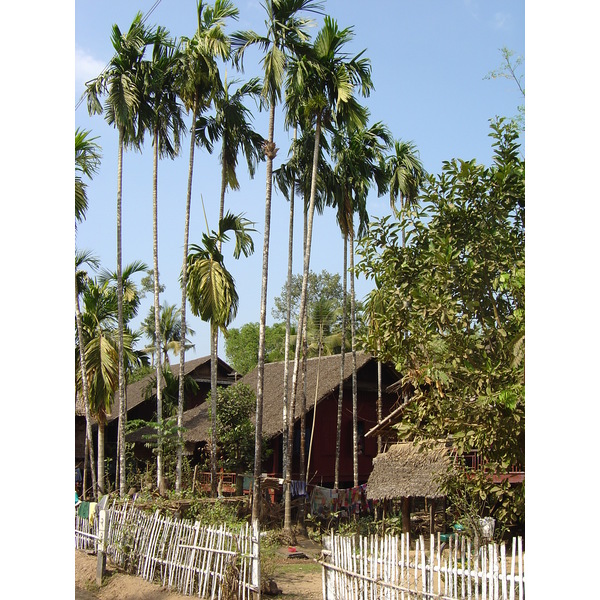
[(449, 308), (213, 297), (241, 345), (323, 285), (235, 430)]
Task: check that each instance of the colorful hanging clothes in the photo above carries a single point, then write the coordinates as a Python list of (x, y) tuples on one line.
[(84, 510), (92, 512), (320, 501), (298, 488)]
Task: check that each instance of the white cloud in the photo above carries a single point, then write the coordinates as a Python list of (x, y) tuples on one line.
[(86, 66)]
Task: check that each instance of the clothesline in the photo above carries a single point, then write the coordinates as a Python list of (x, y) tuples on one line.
[(324, 501)]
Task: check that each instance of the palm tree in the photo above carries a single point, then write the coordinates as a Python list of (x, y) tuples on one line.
[(81, 280), (213, 297), (121, 83), (295, 176), (171, 333), (405, 175), (198, 76), (130, 304), (285, 178), (165, 122), (87, 161), (286, 33), (321, 86), (101, 358), (359, 162), (232, 123)]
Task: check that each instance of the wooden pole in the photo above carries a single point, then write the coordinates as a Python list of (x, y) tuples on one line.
[(102, 533), (406, 515), (431, 516)]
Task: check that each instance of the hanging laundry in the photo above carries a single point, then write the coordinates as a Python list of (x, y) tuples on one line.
[(320, 502), (84, 510), (298, 488), (92, 512)]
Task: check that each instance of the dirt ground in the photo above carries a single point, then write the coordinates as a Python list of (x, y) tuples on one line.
[(296, 578)]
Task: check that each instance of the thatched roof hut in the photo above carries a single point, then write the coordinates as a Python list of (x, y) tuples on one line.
[(408, 470)]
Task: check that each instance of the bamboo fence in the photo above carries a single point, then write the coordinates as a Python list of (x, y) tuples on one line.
[(370, 568), (180, 554)]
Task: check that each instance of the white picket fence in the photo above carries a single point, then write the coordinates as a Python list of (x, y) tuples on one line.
[(180, 554), (369, 568)]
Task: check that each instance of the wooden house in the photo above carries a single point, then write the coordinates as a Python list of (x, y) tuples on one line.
[(141, 401), (322, 391)]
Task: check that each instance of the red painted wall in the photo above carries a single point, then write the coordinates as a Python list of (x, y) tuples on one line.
[(322, 459)]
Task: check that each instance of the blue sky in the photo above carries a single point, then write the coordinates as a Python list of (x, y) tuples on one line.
[(429, 60)]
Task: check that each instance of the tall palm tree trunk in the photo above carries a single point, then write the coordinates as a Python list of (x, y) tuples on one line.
[(303, 476), (120, 324), (305, 271), (186, 235), (159, 406), (101, 474), (284, 450), (271, 152), (214, 339), (89, 445), (338, 436), (354, 382), (214, 352)]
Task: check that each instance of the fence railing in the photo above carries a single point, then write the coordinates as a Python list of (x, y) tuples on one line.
[(389, 567), (180, 554)]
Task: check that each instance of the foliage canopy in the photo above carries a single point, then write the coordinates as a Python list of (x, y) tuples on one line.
[(448, 309)]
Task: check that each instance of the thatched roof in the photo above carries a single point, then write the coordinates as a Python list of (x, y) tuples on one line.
[(136, 392), (329, 381), (408, 470), (196, 421)]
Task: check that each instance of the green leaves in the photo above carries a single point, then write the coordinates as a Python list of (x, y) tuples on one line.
[(210, 286), (449, 305)]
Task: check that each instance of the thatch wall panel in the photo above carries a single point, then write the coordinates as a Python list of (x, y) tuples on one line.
[(408, 470)]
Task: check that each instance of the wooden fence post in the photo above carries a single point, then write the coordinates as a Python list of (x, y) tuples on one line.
[(102, 534), (256, 582), (328, 575)]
